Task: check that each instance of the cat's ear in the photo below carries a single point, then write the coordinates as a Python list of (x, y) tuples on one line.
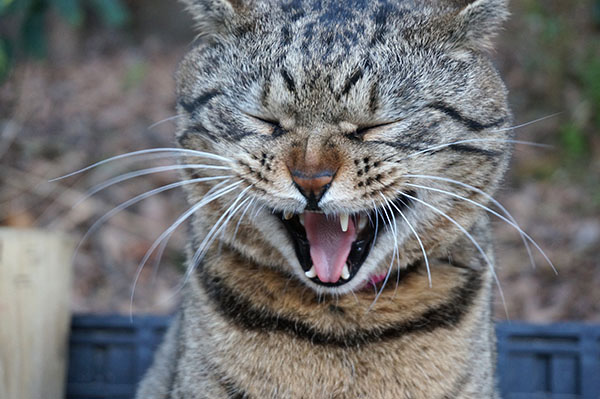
[(216, 16), (476, 23)]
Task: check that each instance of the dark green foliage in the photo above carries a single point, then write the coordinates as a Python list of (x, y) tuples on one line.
[(574, 141), (597, 12), (29, 16), (5, 57), (70, 10), (590, 78), (112, 12)]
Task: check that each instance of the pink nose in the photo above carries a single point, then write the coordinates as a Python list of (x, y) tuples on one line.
[(312, 185)]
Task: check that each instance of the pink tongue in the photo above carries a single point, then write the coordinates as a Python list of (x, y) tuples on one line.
[(329, 245)]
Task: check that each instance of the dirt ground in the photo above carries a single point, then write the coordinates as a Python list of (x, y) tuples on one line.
[(101, 94)]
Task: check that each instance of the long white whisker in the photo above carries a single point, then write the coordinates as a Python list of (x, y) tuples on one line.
[(376, 225), (210, 237), (521, 232), (143, 172), (176, 224), (165, 241), (171, 118), (242, 217), (139, 198), (222, 231), (470, 237), (495, 202), (440, 146), (178, 151), (410, 226), (527, 123), (396, 250), (260, 208), (205, 243), (387, 275)]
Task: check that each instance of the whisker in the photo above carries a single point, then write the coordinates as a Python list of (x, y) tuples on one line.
[(171, 118), (410, 226), (165, 241), (470, 237), (144, 172), (137, 199), (242, 217), (440, 146), (376, 225), (221, 229), (176, 224), (178, 151), (394, 234), (258, 210), (211, 236), (227, 216), (494, 201), (527, 123), (221, 232), (396, 250), (523, 234)]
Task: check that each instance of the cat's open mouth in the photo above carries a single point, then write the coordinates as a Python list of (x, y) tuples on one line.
[(332, 248)]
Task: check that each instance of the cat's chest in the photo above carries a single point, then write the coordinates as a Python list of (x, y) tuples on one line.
[(278, 365)]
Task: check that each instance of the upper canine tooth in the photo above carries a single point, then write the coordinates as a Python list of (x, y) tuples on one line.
[(345, 272), (344, 221), (288, 215), (301, 217), (312, 273)]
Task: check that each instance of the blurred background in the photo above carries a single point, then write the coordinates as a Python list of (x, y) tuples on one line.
[(84, 80)]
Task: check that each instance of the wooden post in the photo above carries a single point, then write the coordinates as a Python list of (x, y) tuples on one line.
[(35, 291)]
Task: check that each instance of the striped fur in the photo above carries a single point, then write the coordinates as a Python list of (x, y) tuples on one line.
[(379, 91)]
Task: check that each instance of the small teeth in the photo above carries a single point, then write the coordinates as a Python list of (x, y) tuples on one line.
[(288, 215), (345, 272), (301, 217), (344, 221), (312, 273)]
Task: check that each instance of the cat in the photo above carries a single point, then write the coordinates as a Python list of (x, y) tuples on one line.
[(341, 155)]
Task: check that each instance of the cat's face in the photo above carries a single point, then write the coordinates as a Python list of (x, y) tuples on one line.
[(330, 115)]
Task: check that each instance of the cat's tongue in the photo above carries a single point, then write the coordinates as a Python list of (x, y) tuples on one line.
[(329, 245)]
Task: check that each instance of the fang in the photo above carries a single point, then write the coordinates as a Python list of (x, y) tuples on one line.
[(344, 221), (345, 272), (312, 273)]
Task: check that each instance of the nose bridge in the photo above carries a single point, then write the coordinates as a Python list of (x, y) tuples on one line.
[(312, 152), (313, 166)]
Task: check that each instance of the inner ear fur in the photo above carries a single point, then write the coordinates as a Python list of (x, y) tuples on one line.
[(476, 23), (216, 16)]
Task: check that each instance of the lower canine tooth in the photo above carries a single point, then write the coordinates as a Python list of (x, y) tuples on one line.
[(345, 272), (312, 273)]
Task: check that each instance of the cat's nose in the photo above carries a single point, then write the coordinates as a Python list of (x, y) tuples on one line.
[(312, 185)]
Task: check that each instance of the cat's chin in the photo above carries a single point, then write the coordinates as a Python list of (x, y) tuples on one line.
[(332, 249)]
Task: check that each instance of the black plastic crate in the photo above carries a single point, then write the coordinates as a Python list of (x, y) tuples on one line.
[(560, 361), (109, 355)]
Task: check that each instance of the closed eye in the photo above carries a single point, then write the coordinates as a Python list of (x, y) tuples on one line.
[(276, 129), (362, 131)]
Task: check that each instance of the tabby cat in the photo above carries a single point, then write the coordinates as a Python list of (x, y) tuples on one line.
[(341, 155)]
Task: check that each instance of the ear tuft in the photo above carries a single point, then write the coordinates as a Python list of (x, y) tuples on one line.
[(214, 16), (477, 23)]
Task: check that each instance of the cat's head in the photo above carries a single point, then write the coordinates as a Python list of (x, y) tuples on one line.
[(330, 115)]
